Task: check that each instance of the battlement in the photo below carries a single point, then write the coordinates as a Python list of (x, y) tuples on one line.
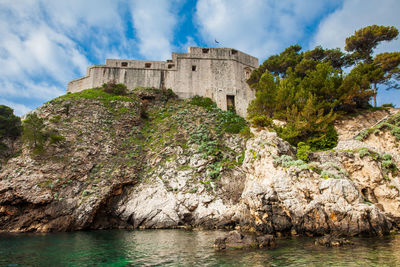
[(218, 73)]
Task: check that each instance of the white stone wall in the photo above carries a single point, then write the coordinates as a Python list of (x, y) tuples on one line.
[(218, 72)]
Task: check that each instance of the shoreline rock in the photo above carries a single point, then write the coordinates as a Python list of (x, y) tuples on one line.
[(240, 240)]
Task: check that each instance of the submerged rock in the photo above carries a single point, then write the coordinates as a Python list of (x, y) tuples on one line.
[(332, 241), (238, 240)]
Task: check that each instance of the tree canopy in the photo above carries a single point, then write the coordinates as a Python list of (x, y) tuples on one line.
[(383, 66), (10, 125), (34, 133), (366, 39), (307, 90)]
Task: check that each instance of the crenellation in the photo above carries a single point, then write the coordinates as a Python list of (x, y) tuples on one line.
[(218, 73)]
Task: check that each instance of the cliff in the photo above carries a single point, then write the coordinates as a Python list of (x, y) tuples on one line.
[(149, 160)]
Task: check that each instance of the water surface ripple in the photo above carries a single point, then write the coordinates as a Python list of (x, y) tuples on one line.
[(183, 248)]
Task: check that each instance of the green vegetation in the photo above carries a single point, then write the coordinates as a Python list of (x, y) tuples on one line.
[(303, 151), (308, 90), (197, 126), (392, 125), (95, 93), (382, 68), (115, 88), (204, 102), (10, 125), (34, 133), (228, 121)]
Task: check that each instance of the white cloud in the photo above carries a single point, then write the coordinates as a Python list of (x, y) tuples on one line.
[(261, 28), (355, 14), (45, 43), (154, 22)]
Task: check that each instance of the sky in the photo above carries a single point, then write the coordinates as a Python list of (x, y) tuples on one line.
[(44, 44)]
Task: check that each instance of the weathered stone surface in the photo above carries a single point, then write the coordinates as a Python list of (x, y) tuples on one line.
[(218, 73)]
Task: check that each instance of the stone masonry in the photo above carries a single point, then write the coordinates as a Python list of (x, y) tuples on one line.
[(217, 73)]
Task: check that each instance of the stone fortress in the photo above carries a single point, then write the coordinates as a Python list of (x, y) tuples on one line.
[(217, 73)]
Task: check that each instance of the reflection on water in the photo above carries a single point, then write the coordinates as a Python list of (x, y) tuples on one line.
[(182, 248)]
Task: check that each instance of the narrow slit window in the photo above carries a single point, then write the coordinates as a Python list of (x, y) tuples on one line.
[(205, 50), (194, 68), (147, 65), (170, 66), (124, 64)]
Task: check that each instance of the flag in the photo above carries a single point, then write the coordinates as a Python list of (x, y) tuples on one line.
[(216, 41)]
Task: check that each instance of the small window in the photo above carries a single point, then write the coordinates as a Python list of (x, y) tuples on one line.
[(170, 66), (147, 65), (194, 68), (234, 52), (205, 50), (169, 60), (124, 64)]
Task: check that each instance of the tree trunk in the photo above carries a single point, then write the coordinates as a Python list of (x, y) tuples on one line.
[(375, 94)]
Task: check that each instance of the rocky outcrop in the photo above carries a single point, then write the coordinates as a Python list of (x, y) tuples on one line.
[(149, 161), (291, 197)]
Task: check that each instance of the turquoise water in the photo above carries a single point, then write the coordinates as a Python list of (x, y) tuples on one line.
[(183, 248)]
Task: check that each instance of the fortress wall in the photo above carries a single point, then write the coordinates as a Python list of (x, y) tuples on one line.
[(218, 73), (81, 83)]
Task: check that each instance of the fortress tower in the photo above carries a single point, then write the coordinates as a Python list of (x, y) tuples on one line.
[(217, 73)]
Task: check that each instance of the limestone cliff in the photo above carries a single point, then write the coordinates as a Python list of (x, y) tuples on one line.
[(148, 160)]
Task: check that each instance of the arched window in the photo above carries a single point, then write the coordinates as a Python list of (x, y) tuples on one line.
[(247, 72)]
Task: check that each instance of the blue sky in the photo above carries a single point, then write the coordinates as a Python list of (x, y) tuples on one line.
[(46, 43)]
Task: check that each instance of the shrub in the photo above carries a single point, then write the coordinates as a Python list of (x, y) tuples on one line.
[(261, 121), (55, 119), (386, 156), (324, 141), (389, 166), (389, 105), (303, 152), (363, 152), (246, 133), (115, 88), (33, 132), (55, 139), (231, 122), (204, 102)]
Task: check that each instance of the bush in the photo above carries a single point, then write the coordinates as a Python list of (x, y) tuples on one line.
[(303, 152), (389, 105), (204, 102), (261, 121), (33, 132), (231, 122), (115, 88), (324, 141), (363, 152), (55, 139), (246, 133)]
